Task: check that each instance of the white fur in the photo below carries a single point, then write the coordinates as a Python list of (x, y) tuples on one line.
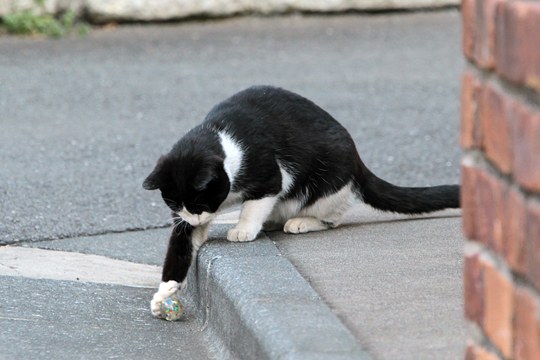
[(331, 208), (234, 155), (165, 290), (287, 180), (196, 219), (300, 225), (254, 213), (285, 210), (199, 237), (328, 211)]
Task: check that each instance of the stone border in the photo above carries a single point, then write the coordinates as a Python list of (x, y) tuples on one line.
[(150, 10), (260, 307)]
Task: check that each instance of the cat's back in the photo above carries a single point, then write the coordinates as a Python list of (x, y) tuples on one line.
[(273, 110), (275, 123)]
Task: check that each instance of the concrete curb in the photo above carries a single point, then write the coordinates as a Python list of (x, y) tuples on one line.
[(249, 292)]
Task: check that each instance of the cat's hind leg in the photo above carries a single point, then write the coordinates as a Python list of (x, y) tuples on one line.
[(325, 213), (283, 210), (300, 225)]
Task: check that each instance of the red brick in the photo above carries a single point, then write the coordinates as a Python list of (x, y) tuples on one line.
[(533, 243), (494, 213), (484, 45), (475, 352), (498, 308), (468, 199), (517, 49), (470, 97), (473, 288), (479, 31), (500, 227), (526, 140), (526, 326), (496, 128), (485, 207), (468, 8), (514, 231)]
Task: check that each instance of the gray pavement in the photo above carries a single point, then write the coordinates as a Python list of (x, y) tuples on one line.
[(43, 319), (394, 281), (83, 120)]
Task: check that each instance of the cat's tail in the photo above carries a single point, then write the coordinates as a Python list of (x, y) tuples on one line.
[(407, 200)]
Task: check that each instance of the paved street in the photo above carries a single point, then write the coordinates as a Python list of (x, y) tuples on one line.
[(84, 119), (43, 319)]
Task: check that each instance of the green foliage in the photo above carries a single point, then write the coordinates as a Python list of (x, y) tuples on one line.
[(28, 22)]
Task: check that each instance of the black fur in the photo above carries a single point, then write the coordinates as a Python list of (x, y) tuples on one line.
[(406, 200), (275, 124), (275, 127), (192, 173), (179, 253)]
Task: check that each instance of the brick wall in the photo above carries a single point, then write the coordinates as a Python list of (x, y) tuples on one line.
[(500, 133)]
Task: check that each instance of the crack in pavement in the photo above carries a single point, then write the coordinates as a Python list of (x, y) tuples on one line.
[(225, 218)]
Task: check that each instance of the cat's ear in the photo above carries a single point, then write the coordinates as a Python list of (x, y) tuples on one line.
[(154, 180), (207, 173)]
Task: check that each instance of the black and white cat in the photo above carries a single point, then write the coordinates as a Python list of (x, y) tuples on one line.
[(289, 164)]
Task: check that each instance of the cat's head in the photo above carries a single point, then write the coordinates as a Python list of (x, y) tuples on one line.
[(193, 186)]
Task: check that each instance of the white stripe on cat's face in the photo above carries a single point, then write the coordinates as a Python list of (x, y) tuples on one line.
[(195, 219)]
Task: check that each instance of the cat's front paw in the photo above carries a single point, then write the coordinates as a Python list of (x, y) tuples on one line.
[(241, 235), (165, 290)]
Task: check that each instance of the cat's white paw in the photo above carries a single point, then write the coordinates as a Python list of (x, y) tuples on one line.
[(165, 290), (241, 235), (303, 225)]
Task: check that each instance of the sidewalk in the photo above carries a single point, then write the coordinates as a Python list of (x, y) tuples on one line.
[(83, 121), (394, 281)]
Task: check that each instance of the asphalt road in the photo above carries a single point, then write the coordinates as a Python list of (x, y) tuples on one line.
[(44, 319), (84, 119)]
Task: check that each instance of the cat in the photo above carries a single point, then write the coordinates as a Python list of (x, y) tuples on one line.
[(289, 164)]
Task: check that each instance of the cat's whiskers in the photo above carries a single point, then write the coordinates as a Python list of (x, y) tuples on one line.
[(177, 220)]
